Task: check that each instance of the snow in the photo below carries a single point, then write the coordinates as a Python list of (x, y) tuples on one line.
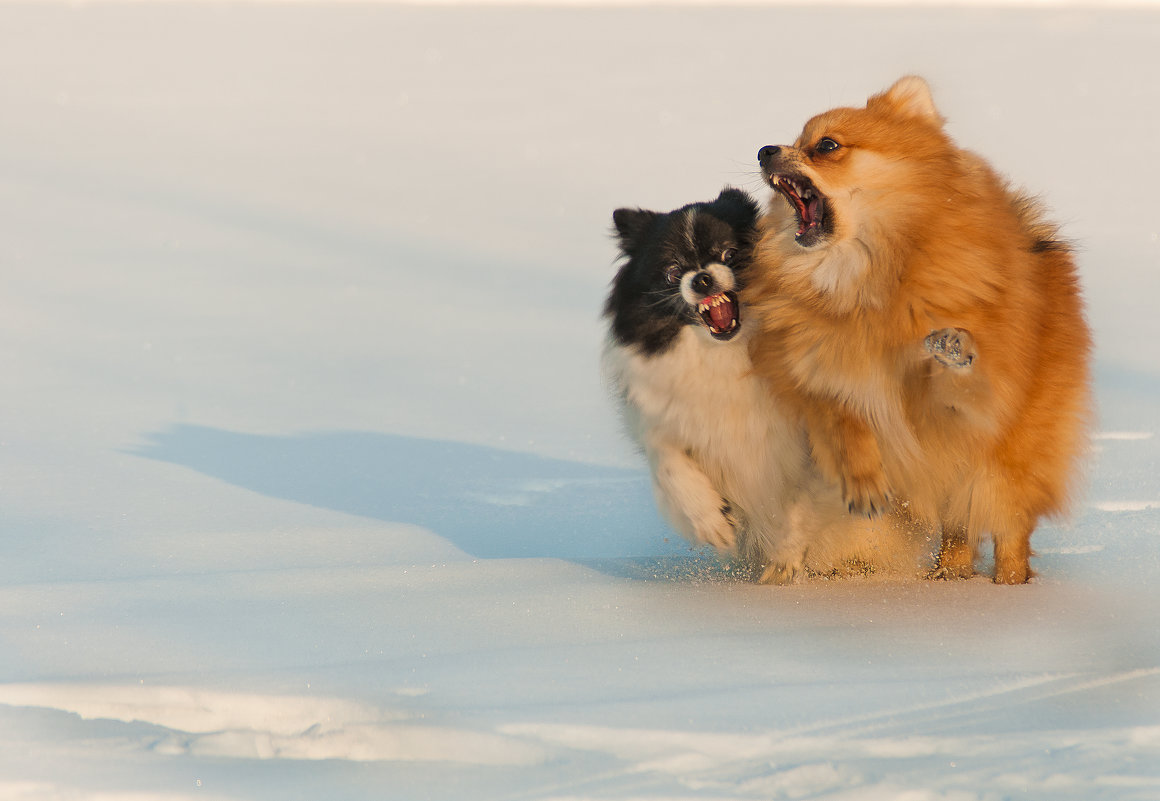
[(308, 485)]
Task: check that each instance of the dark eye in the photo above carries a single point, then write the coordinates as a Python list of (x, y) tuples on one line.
[(673, 273), (727, 255), (826, 145)]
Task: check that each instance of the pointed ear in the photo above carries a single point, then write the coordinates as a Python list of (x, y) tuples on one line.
[(631, 227), (738, 207), (911, 97)]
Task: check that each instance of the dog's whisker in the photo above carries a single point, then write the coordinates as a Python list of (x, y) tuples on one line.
[(666, 299)]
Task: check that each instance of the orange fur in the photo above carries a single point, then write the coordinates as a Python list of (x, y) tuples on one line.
[(926, 236)]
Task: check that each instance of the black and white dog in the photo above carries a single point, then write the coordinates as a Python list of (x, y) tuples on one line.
[(729, 468)]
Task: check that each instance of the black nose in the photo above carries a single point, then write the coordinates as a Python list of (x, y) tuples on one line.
[(767, 153), (703, 283)]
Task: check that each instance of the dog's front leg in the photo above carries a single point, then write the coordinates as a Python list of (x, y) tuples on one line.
[(688, 499), (847, 451)]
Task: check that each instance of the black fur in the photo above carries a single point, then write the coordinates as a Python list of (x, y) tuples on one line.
[(643, 308)]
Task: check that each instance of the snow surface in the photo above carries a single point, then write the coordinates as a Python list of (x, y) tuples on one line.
[(308, 486)]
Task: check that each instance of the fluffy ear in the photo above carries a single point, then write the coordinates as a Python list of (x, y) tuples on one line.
[(631, 227), (911, 97), (737, 207)]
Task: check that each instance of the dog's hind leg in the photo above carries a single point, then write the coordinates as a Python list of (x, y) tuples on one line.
[(1013, 556)]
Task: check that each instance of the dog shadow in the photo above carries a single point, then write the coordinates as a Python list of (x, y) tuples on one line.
[(490, 503)]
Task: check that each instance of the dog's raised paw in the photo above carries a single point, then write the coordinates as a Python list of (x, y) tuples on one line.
[(727, 513), (718, 530), (951, 347), (868, 496)]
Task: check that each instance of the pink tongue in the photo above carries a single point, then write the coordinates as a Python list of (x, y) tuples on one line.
[(722, 315)]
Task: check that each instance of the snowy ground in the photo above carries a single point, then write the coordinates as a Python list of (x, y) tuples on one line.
[(308, 487)]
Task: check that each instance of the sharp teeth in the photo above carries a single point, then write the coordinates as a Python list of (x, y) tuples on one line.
[(712, 302)]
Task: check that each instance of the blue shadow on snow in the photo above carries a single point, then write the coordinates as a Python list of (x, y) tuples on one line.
[(490, 503)]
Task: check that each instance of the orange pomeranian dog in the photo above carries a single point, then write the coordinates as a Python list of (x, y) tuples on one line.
[(881, 230)]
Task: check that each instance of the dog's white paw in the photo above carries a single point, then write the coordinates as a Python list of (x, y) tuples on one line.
[(690, 502), (718, 529), (782, 573)]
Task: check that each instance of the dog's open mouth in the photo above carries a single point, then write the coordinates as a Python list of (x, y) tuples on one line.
[(721, 314), (808, 203)]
